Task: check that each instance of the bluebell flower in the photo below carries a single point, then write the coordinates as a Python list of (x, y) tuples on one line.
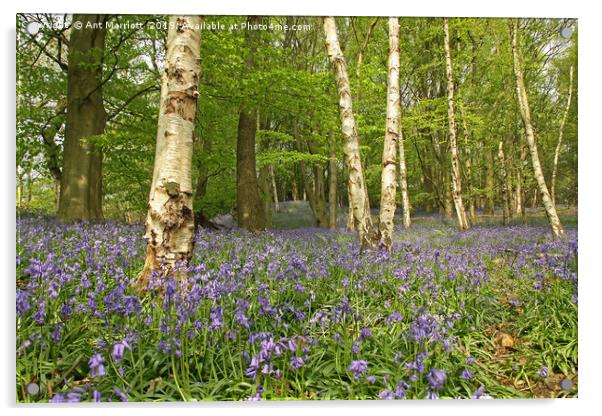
[(97, 367), (358, 367), (436, 378)]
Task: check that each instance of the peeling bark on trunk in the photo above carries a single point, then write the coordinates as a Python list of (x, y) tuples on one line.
[(455, 164), (388, 176), (523, 103), (560, 136), (170, 220), (504, 183), (248, 202), (356, 183), (81, 176)]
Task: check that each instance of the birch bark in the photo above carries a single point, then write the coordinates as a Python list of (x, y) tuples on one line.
[(170, 220), (356, 184), (523, 103)]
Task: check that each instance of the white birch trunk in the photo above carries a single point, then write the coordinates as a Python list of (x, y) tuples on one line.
[(403, 181), (170, 220), (356, 184), (388, 176), (560, 136), (523, 103), (456, 176)]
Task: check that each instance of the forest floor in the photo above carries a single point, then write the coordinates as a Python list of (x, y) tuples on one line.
[(298, 313)]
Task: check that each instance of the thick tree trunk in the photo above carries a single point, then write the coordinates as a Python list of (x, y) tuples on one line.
[(560, 136), (332, 185), (455, 164), (248, 202), (504, 184), (523, 103), (170, 220), (356, 183), (81, 177), (388, 176)]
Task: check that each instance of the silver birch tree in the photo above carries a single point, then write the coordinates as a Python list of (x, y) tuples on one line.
[(525, 112), (388, 186), (170, 220), (456, 180), (356, 183)]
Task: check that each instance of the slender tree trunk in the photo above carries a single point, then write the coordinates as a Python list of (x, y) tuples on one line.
[(388, 176), (81, 177), (294, 187), (361, 215), (490, 183), (319, 189), (265, 193), (321, 211), (332, 186), (560, 134), (358, 76), (525, 112), (274, 189), (468, 167), (170, 219), (448, 207), (403, 182), (350, 221), (519, 197), (19, 190), (504, 183), (29, 185), (456, 175), (248, 202), (510, 180)]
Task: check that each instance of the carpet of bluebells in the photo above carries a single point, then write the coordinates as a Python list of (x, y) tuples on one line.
[(296, 314)]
